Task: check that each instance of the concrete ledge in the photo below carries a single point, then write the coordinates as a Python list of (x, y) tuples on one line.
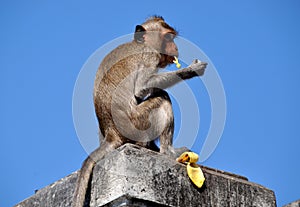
[(293, 204), (135, 176), (58, 194)]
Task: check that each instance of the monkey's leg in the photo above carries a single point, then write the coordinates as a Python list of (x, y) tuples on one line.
[(166, 137), (87, 168), (158, 104)]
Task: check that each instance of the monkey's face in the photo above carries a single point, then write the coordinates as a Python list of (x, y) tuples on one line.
[(158, 35), (168, 49), (163, 43)]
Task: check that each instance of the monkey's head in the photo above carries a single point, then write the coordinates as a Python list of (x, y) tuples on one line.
[(156, 33)]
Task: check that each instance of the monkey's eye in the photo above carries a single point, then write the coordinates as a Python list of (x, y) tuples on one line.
[(169, 37)]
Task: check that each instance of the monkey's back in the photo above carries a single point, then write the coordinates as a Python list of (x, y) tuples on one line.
[(117, 71)]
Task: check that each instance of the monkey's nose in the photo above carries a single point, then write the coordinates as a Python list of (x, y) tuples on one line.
[(176, 48)]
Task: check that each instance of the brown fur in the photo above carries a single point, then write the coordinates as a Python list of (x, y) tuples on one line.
[(130, 103)]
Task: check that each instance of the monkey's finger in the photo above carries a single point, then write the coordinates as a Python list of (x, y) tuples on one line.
[(196, 61), (201, 64)]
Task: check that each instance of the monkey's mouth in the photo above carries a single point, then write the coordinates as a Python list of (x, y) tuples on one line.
[(165, 60), (171, 58)]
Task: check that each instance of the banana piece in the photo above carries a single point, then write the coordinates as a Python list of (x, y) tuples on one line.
[(178, 65), (193, 170)]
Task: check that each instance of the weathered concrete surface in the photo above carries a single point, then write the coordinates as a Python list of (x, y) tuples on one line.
[(58, 194), (293, 204), (134, 176)]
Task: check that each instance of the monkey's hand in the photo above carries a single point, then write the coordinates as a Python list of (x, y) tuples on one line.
[(198, 67)]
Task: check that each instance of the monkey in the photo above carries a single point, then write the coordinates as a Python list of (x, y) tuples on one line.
[(130, 100)]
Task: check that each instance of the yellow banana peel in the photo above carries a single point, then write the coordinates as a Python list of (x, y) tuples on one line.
[(193, 170), (196, 175)]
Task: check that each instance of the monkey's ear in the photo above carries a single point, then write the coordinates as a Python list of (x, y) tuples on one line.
[(139, 33)]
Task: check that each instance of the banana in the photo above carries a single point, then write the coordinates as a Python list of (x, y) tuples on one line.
[(193, 170), (178, 65)]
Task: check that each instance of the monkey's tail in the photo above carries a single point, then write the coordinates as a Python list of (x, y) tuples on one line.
[(83, 182)]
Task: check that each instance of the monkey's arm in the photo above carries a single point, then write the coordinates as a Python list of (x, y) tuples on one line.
[(166, 80)]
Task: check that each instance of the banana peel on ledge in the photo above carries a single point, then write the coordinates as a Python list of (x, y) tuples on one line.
[(193, 170)]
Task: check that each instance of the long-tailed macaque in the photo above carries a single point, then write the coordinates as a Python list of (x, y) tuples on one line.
[(130, 102)]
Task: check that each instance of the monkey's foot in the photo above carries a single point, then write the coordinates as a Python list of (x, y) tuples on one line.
[(169, 151)]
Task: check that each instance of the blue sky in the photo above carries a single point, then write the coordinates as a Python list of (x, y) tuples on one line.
[(254, 45)]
